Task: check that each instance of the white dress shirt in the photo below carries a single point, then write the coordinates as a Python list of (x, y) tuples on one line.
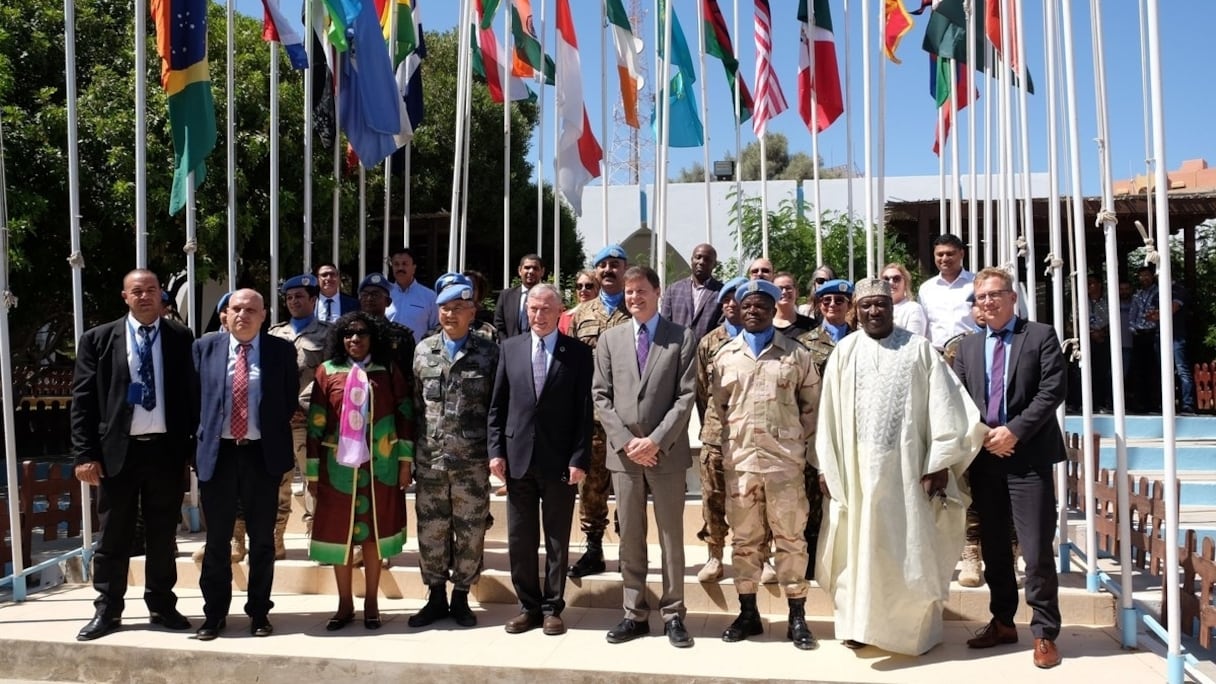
[(946, 306), (143, 421)]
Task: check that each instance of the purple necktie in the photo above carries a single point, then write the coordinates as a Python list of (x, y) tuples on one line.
[(538, 368), (643, 347), (996, 382)]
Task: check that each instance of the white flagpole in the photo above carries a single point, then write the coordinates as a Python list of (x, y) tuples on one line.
[(1024, 138), (763, 197), (308, 136), (738, 149), (815, 176), (989, 209), (336, 217), (462, 94), (274, 178), (972, 224), (1148, 135), (386, 220), (540, 145), (664, 145), (468, 137), (141, 130), (230, 142), (605, 163), (1007, 169), (942, 214), (881, 150), (956, 210), (848, 130), (405, 198), (709, 221), (867, 133), (362, 221), (506, 147)]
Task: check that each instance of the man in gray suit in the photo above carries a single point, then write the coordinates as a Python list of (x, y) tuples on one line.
[(643, 390)]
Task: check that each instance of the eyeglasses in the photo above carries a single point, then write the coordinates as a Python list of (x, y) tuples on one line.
[(761, 270), (350, 334), (893, 278), (834, 300), (993, 295), (820, 281), (584, 286)]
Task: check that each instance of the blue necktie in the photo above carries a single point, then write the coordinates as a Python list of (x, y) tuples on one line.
[(146, 373)]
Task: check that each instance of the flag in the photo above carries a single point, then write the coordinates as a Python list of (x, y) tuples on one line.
[(628, 47), (685, 128), (578, 153), (717, 44), (939, 89), (407, 69), (946, 31), (992, 22), (487, 9), (322, 79), (898, 25), (181, 40), (407, 39), (369, 105), (818, 71), (277, 28), (529, 58), (487, 67), (771, 101)]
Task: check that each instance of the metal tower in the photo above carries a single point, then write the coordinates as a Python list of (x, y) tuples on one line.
[(631, 152)]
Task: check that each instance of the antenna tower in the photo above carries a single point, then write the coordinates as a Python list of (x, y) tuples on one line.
[(631, 153)]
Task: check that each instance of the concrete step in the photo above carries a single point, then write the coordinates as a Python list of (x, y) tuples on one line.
[(1198, 486), (1148, 427), (1150, 455)]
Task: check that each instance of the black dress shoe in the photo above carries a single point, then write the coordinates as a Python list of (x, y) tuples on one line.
[(259, 626), (98, 627), (676, 634), (627, 630), (210, 629), (170, 619)]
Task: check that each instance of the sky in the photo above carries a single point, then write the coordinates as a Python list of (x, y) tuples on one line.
[(910, 116)]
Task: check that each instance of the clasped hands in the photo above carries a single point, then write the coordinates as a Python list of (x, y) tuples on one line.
[(642, 451), (1000, 441)]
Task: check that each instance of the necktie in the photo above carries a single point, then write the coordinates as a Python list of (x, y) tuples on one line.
[(643, 347), (538, 368), (147, 375), (329, 310), (240, 393), (996, 383)]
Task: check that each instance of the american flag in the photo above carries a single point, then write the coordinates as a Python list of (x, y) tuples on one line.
[(770, 101)]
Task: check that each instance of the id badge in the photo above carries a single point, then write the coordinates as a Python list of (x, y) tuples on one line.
[(135, 394)]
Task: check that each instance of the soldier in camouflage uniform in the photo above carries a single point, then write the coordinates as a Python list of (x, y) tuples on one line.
[(765, 388), (713, 485), (589, 320), (454, 376)]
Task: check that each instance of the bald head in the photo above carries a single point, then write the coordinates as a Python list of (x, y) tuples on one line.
[(246, 313), (704, 260)]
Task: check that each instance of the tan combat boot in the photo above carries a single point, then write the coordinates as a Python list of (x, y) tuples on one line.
[(280, 550), (237, 546), (969, 574), (712, 570)]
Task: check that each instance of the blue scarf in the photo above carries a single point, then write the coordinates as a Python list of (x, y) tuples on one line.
[(836, 332), (612, 301), (758, 341), (454, 346), (298, 324), (732, 329)]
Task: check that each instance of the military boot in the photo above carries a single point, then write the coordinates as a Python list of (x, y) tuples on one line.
[(237, 550), (748, 623), (712, 570), (969, 574), (798, 631), (459, 610), (436, 607), (280, 549), (592, 562)]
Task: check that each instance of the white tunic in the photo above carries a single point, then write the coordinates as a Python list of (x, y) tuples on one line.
[(890, 412)]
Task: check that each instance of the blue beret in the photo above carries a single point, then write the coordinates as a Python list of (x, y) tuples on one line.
[(223, 302), (764, 287), (442, 282), (374, 280), (306, 281), (454, 292), (837, 286), (609, 252), (730, 286)]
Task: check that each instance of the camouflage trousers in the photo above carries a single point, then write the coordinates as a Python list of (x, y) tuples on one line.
[(758, 504), (973, 527), (593, 493), (451, 508), (713, 498), (814, 519), (298, 437)]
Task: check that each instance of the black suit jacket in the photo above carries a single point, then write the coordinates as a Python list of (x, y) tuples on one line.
[(553, 432), (1035, 388), (506, 312), (101, 416)]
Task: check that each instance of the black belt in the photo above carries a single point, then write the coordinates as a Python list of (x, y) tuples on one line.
[(156, 437), (240, 442)]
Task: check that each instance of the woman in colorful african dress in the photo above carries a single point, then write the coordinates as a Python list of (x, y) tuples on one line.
[(360, 451)]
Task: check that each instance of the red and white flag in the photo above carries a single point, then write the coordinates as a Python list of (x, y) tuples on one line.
[(578, 153), (817, 68), (770, 101)]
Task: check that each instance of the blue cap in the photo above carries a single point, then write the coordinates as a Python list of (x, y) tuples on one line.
[(454, 292), (837, 286), (730, 286), (375, 280), (764, 287), (443, 281), (223, 302), (307, 281), (609, 252)]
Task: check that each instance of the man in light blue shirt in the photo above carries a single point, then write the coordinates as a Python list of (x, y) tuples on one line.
[(413, 303)]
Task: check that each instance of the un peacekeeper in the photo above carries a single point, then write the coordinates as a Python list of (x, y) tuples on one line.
[(374, 298), (765, 387), (588, 322), (308, 334), (479, 328), (453, 380), (713, 486)]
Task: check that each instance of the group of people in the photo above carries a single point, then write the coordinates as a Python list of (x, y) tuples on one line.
[(837, 444)]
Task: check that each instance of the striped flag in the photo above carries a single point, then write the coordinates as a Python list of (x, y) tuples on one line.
[(277, 28), (939, 88), (770, 101), (628, 48), (717, 43), (487, 66), (898, 25), (409, 75), (578, 153), (529, 58), (817, 68)]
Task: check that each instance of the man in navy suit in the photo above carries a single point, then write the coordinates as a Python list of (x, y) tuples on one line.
[(693, 301), (249, 386), (332, 302), (510, 316), (1015, 372), (539, 439), (130, 435)]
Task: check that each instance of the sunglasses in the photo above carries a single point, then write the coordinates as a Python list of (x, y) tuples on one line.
[(834, 300), (820, 281), (353, 333), (893, 278), (584, 286)]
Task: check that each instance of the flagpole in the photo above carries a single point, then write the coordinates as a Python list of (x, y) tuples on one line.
[(274, 177), (540, 143), (1008, 159), (881, 151), (464, 173), (989, 209), (665, 143), (1148, 135), (308, 137), (867, 133), (141, 134), (362, 221), (386, 219), (972, 224), (606, 161), (848, 131), (709, 227), (230, 134), (956, 210), (1027, 199), (462, 94), (506, 148), (738, 150), (336, 215), (406, 198), (557, 207), (815, 177)]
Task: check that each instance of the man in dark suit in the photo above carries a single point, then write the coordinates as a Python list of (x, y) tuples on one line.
[(539, 440), (510, 316), (332, 302), (249, 387), (644, 386), (1015, 372), (693, 301), (130, 436)]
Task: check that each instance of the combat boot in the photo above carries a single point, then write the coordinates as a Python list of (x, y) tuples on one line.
[(969, 574), (280, 549), (198, 554), (592, 562), (748, 623), (436, 607), (459, 610), (798, 631), (237, 550), (712, 570)]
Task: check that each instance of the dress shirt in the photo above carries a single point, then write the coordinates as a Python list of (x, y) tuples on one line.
[(1006, 335), (414, 307), (335, 307), (1144, 300), (254, 357), (143, 421), (650, 328), (548, 342), (946, 306)]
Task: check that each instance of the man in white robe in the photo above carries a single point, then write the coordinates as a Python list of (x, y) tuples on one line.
[(896, 432)]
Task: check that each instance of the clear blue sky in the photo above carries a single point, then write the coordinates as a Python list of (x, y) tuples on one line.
[(1190, 91)]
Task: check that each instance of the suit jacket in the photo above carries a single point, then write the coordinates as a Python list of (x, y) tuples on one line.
[(1036, 386), (506, 313), (549, 433), (678, 306), (656, 403), (101, 416), (280, 392)]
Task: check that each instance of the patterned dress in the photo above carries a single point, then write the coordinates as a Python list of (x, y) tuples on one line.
[(358, 504)]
